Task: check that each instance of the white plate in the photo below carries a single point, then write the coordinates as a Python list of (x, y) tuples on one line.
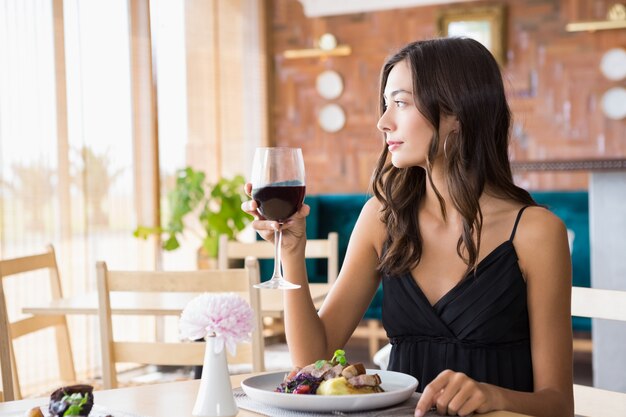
[(398, 388)]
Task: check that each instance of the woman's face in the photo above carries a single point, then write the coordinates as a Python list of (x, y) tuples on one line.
[(407, 132)]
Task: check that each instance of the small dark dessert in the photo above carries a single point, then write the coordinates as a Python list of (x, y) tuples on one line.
[(73, 400)]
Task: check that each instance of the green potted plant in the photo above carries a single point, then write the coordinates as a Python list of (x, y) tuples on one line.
[(217, 207)]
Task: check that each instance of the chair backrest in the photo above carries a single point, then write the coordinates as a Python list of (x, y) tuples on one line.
[(240, 281), (315, 248), (11, 330), (598, 304)]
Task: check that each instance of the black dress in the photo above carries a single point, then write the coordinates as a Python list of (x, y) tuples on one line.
[(480, 327)]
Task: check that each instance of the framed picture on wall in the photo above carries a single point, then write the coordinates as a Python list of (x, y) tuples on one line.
[(486, 24)]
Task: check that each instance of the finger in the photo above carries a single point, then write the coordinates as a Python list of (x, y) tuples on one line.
[(248, 189), (448, 394), (304, 210), (265, 225), (431, 392), (300, 214), (469, 407), (473, 404), (458, 405), (442, 400), (427, 399), (251, 207)]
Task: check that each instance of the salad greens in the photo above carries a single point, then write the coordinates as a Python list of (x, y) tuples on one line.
[(338, 358), (76, 402)]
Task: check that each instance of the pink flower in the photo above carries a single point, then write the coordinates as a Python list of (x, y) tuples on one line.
[(228, 317)]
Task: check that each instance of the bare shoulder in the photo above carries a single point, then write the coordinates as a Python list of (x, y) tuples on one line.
[(538, 222), (541, 241), (538, 219), (371, 212), (372, 207), (369, 226)]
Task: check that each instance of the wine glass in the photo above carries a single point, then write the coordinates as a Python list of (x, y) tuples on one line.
[(278, 189)]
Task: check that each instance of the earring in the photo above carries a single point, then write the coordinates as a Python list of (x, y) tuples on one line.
[(445, 142)]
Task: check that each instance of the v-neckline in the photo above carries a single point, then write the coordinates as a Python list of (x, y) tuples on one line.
[(464, 279)]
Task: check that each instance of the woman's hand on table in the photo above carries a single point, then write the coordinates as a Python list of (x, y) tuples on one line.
[(294, 229), (454, 393)]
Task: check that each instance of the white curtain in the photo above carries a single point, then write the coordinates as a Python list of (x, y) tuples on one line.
[(67, 148), (91, 165)]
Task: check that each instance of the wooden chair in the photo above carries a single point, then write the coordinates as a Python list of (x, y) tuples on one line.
[(370, 329), (315, 248), (5, 352), (374, 332), (9, 331), (598, 304), (173, 353)]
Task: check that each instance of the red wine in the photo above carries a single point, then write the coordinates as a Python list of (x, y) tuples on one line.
[(279, 202)]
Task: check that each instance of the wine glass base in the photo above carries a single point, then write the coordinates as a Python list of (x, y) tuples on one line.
[(277, 284)]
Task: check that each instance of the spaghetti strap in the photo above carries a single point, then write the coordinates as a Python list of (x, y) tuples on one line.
[(519, 216)]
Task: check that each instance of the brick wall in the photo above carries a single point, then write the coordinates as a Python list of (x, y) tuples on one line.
[(553, 77)]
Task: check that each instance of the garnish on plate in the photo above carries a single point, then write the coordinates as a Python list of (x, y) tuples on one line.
[(73, 400), (68, 401), (338, 357), (334, 377)]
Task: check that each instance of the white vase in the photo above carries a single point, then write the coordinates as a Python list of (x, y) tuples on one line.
[(215, 395)]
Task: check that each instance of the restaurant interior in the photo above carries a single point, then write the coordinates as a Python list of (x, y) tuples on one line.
[(127, 133)]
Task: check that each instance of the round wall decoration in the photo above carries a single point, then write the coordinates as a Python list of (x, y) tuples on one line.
[(614, 103), (331, 118), (329, 84), (613, 64), (327, 41)]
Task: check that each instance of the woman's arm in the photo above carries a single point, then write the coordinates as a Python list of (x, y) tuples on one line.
[(543, 252), (544, 258), (311, 336), (358, 280)]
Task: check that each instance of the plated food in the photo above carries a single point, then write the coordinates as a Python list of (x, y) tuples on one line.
[(72, 400), (398, 387), (334, 377)]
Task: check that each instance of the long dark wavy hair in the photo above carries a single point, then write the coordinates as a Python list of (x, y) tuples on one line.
[(460, 77)]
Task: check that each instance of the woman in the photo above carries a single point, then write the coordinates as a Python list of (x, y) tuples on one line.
[(476, 276)]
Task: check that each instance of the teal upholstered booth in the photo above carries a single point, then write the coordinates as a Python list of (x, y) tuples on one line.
[(573, 208), (339, 212)]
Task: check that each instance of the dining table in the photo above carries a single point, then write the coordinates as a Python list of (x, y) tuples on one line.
[(177, 398), (156, 400)]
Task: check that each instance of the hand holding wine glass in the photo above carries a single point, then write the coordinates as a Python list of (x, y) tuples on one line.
[(278, 188)]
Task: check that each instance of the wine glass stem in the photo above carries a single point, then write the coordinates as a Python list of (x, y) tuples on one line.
[(278, 243)]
